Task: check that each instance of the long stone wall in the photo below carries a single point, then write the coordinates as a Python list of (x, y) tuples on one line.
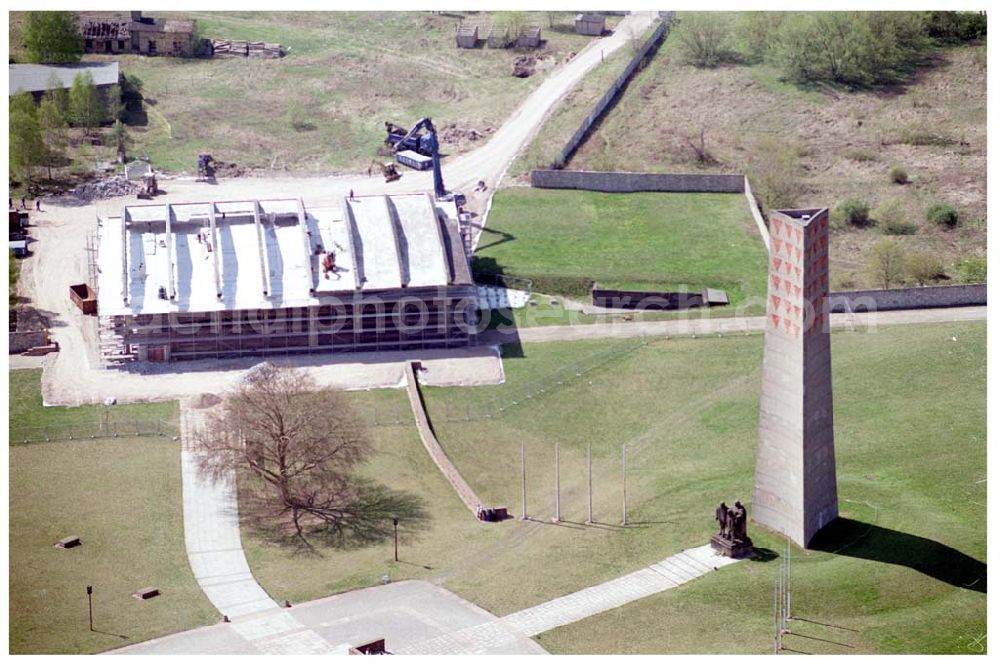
[(908, 299), (21, 341), (625, 181), (611, 95), (432, 445)]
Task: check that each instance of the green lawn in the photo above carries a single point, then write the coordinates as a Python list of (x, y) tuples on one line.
[(565, 239), (425, 551), (123, 498), (918, 455), (29, 420), (687, 408), (844, 142)]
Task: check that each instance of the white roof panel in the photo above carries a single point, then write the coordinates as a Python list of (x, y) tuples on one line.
[(374, 243)]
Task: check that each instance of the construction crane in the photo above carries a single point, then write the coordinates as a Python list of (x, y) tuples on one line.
[(427, 142)]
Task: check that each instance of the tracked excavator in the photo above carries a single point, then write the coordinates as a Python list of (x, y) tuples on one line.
[(422, 139)]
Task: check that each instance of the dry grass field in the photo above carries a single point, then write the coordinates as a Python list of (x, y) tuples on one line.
[(933, 126), (321, 107)]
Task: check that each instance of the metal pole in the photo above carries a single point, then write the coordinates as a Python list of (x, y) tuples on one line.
[(775, 615), (624, 488), (558, 516), (395, 537), (788, 581), (590, 486), (524, 488), (90, 605)]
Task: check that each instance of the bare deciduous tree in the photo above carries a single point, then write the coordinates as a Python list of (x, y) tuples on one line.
[(303, 445)]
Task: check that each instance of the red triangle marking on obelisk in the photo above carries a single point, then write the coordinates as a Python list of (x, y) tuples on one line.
[(798, 291), (788, 287), (774, 320), (776, 262), (777, 224), (776, 281)]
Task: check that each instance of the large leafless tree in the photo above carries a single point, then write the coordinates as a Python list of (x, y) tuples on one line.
[(303, 444)]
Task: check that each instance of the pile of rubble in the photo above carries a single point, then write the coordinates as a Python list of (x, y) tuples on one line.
[(117, 186), (228, 169), (455, 134), (524, 66)]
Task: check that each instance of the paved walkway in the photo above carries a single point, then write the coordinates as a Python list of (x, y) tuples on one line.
[(664, 575), (700, 326), (405, 614), (212, 533)]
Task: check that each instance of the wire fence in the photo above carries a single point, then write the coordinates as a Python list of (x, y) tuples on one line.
[(563, 376), (93, 430), (782, 599)]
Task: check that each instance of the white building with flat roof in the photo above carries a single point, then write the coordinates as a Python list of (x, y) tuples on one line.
[(234, 278)]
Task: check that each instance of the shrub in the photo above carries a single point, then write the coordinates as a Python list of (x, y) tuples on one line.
[(972, 270), (860, 155), (898, 175), (851, 48), (892, 220), (853, 211), (704, 39), (943, 215), (774, 173), (923, 267), (886, 263)]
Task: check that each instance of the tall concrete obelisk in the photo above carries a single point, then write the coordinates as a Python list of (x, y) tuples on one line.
[(795, 485)]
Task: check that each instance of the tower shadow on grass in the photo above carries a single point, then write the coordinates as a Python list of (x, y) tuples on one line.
[(853, 538)]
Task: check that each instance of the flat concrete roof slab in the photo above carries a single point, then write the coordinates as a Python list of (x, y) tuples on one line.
[(375, 243)]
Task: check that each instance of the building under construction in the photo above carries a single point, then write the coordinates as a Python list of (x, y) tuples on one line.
[(247, 278)]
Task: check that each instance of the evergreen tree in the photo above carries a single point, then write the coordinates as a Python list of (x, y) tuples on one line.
[(84, 102), (52, 37)]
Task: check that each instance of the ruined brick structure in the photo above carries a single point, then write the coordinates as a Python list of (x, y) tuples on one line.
[(138, 34)]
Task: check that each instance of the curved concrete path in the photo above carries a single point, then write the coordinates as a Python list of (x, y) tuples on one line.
[(212, 532), (416, 617)]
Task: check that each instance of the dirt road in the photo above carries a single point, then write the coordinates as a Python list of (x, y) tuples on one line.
[(72, 376)]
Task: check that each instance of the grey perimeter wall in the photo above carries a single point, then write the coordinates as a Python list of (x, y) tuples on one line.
[(616, 181), (609, 97), (20, 341), (909, 299)]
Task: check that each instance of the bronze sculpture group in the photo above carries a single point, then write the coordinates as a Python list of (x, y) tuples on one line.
[(732, 539)]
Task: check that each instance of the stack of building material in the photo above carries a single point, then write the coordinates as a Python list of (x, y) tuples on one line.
[(529, 37), (221, 46), (467, 35), (244, 48), (498, 37)]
